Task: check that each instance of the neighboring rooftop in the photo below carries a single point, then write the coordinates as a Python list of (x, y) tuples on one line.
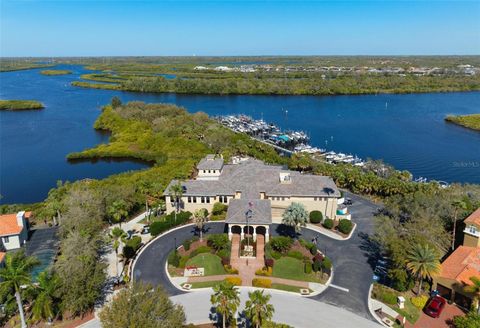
[(462, 264), (210, 162), (474, 218), (251, 177), (9, 224), (258, 211)]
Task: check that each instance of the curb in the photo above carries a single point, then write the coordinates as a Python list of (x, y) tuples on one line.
[(372, 312)]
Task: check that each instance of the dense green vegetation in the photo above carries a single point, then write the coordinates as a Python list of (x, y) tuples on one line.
[(17, 64), (20, 104), (311, 84), (56, 72), (469, 121)]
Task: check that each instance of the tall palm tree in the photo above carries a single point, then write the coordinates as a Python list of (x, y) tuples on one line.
[(457, 205), (295, 216), (117, 234), (176, 193), (15, 274), (475, 290), (200, 217), (257, 308), (118, 211), (423, 262), (226, 300), (44, 305)]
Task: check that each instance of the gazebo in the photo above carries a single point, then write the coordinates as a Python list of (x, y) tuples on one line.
[(249, 217)]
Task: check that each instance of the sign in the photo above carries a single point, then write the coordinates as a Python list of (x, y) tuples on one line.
[(194, 272)]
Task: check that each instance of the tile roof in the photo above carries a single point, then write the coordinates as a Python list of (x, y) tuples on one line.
[(8, 225), (474, 217), (210, 163), (252, 177), (462, 264), (261, 212)]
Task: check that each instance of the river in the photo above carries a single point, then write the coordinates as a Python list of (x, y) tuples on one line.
[(406, 131)]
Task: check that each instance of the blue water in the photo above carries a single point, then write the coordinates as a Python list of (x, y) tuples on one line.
[(409, 132)]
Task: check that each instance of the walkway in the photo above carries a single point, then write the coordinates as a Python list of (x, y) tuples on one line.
[(247, 267)]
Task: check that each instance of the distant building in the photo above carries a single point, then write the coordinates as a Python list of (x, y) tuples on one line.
[(461, 265), (223, 68), (200, 68), (14, 230)]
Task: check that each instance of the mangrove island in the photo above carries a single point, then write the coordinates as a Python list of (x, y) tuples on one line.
[(469, 121), (20, 104)]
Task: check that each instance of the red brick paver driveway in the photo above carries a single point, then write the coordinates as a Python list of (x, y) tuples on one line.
[(444, 321)]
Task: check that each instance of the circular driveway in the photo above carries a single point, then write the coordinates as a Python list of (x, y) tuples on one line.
[(352, 272)]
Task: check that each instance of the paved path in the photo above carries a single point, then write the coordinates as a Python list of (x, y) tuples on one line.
[(350, 258)]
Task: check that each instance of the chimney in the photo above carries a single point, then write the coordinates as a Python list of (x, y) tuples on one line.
[(21, 218)]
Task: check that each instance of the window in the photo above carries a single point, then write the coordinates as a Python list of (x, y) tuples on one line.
[(209, 171), (208, 200), (5, 239), (472, 229), (202, 200), (225, 199), (283, 198), (194, 199), (189, 199), (204, 171)]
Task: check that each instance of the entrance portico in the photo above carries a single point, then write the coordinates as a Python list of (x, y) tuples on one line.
[(249, 218)]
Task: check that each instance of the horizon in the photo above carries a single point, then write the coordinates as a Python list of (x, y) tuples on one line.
[(243, 29)]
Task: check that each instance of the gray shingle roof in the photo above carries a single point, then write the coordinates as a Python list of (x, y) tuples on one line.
[(260, 213), (252, 177), (210, 163)]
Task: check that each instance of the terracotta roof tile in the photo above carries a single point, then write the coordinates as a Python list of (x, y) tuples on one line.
[(474, 217), (8, 225), (462, 264)]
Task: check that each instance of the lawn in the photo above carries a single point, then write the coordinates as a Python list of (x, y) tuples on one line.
[(206, 284), (288, 288), (211, 262), (291, 268)]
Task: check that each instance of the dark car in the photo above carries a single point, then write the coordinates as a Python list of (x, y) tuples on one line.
[(435, 306), (348, 201), (145, 230)]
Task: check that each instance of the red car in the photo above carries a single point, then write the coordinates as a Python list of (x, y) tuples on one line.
[(435, 307)]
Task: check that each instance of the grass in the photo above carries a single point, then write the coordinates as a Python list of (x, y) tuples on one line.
[(291, 268), (469, 121), (410, 312), (20, 104), (205, 284), (211, 262), (288, 288), (55, 72), (383, 294)]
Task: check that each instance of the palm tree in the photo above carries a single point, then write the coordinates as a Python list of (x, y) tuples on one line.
[(226, 300), (44, 305), (15, 274), (117, 234), (423, 262), (118, 211), (257, 308), (176, 193), (457, 205), (295, 216), (475, 290), (200, 217)]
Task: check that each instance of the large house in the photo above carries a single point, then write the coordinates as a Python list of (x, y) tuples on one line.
[(461, 265), (14, 230), (255, 192)]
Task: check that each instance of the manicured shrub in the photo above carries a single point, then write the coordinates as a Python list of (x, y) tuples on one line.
[(269, 263), (419, 301), (262, 282), (328, 223), (236, 281), (317, 265), (318, 257), (313, 250), (265, 271), (281, 244), (316, 217), (225, 261), (326, 265), (345, 226), (224, 253), (218, 241), (186, 244), (200, 250), (219, 208), (169, 222), (230, 270), (308, 267), (174, 258), (295, 254), (131, 247)]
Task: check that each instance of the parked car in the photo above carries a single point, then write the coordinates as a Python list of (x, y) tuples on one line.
[(348, 201), (435, 306), (145, 230)]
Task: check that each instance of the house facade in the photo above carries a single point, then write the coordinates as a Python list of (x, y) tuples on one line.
[(14, 230), (252, 181), (461, 265)]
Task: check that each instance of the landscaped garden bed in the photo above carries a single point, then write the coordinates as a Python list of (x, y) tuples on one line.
[(413, 304)]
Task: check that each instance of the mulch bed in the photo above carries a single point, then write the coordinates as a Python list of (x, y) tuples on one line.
[(193, 246), (297, 247)]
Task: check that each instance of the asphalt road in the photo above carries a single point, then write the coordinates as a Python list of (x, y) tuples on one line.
[(351, 258)]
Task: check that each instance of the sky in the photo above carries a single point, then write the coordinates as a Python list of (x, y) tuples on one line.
[(237, 28)]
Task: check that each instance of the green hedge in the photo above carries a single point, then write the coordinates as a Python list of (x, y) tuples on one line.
[(169, 222), (316, 217), (345, 226), (328, 223)]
